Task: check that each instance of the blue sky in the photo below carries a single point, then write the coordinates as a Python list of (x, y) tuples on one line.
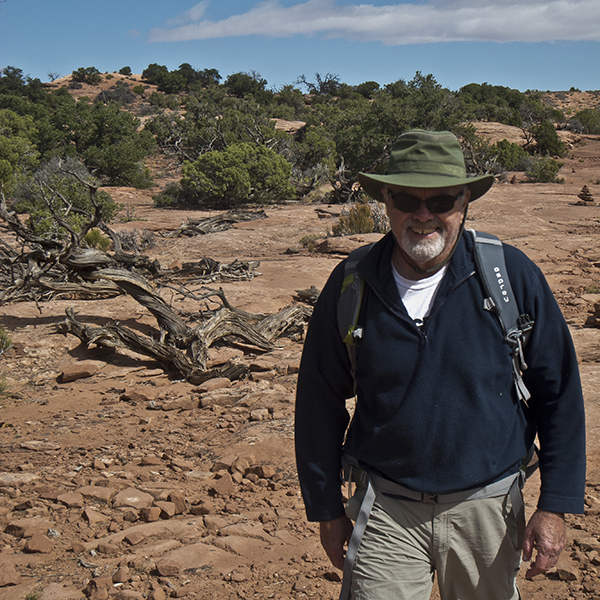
[(524, 44)]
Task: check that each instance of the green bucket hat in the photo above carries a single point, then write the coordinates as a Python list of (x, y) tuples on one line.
[(426, 159)]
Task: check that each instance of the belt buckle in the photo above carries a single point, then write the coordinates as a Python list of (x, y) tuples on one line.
[(429, 498)]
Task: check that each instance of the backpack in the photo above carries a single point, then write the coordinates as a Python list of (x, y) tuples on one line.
[(491, 267)]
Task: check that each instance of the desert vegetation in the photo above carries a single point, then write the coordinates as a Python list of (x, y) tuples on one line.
[(210, 128)]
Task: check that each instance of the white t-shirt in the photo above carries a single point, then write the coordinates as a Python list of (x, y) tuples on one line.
[(418, 295)]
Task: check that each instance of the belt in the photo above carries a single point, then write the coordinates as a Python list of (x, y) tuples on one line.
[(375, 483)]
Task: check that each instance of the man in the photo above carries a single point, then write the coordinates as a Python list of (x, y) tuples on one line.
[(439, 433)]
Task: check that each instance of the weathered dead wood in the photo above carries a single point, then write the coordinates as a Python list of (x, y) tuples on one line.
[(113, 335), (294, 317), (34, 268), (308, 296), (190, 355), (221, 222), (139, 289)]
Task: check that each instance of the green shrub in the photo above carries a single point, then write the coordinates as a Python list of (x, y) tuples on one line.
[(96, 239), (138, 89), (240, 173), (547, 139), (52, 191), (125, 71), (163, 101), (511, 156), (5, 340), (171, 195), (543, 170), (358, 219), (89, 75), (589, 119), (308, 241)]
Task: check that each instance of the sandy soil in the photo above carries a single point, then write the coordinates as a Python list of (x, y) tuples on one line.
[(133, 483)]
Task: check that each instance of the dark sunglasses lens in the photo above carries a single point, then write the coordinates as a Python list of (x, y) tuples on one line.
[(406, 203), (437, 204), (440, 204)]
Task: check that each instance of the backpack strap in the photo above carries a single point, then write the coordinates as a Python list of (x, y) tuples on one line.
[(349, 303), (491, 266)]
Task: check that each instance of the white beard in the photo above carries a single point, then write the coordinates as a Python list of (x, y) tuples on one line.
[(423, 251)]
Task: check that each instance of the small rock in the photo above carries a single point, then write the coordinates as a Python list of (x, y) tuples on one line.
[(212, 384), (588, 543), (98, 493), (135, 537), (260, 414), (121, 575), (8, 575), (183, 403), (224, 486), (93, 516), (157, 594), (23, 506), (99, 464), (149, 514), (151, 461), (129, 595), (77, 547), (133, 396), (167, 509), (71, 499), (332, 576), (566, 570), (201, 509), (38, 543), (178, 500), (16, 479), (78, 370), (263, 471), (25, 528), (168, 568), (184, 465), (107, 549), (40, 445), (263, 375), (130, 516), (133, 498)]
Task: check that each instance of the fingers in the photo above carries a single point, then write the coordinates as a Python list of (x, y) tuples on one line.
[(335, 535), (546, 532)]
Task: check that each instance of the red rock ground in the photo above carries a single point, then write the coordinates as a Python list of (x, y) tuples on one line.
[(133, 483)]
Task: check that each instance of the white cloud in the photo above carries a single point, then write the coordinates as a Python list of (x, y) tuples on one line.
[(395, 24), (193, 14)]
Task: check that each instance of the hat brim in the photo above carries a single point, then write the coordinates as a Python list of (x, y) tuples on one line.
[(373, 184)]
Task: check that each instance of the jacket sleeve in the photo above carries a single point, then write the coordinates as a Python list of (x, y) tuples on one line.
[(324, 383), (556, 405)]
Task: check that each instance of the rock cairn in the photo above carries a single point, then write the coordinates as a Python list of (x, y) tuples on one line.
[(585, 197)]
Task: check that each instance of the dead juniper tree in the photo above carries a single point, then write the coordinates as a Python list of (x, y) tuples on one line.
[(38, 264)]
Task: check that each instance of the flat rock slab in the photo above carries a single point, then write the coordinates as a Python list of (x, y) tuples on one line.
[(40, 445), (17, 479), (133, 498), (202, 556)]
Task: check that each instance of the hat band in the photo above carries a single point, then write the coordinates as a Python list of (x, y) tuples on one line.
[(429, 168)]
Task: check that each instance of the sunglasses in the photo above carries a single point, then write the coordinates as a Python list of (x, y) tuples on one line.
[(435, 204)]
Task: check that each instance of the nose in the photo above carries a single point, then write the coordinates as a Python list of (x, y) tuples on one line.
[(423, 213)]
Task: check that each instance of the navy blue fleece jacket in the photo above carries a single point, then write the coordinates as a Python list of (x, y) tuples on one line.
[(436, 407)]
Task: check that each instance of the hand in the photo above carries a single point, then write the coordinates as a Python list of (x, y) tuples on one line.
[(547, 532), (335, 536)]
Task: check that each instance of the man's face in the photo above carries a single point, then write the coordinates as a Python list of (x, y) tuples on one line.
[(426, 237)]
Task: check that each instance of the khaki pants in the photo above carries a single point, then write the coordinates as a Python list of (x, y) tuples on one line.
[(473, 546)]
